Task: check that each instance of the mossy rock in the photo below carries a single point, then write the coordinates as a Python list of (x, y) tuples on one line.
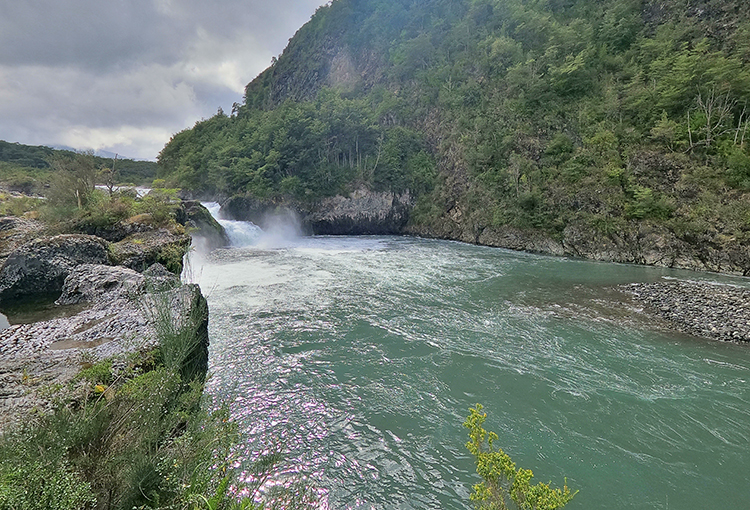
[(140, 250)]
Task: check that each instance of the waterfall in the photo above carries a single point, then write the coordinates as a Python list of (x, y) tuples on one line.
[(240, 233), (281, 231)]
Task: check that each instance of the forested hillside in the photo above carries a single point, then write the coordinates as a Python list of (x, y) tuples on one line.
[(27, 167), (611, 130)]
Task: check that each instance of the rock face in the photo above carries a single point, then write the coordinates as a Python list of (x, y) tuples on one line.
[(203, 225), (657, 246), (635, 243), (92, 283), (15, 232), (246, 208), (361, 213), (141, 250), (720, 312), (39, 268), (121, 320)]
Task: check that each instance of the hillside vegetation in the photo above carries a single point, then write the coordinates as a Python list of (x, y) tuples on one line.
[(611, 130), (29, 168)]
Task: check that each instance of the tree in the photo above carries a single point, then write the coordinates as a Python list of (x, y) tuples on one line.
[(501, 479), (73, 180)]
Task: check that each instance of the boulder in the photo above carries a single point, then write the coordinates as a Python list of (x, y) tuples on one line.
[(39, 268), (95, 282), (201, 224), (143, 249), (159, 278), (14, 232)]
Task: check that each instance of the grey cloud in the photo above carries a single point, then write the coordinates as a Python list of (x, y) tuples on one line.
[(98, 34)]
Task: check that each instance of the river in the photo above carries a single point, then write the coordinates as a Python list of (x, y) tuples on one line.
[(363, 355)]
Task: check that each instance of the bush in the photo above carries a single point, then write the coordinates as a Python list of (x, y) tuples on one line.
[(647, 204), (501, 480), (17, 206), (738, 171), (160, 204), (44, 487)]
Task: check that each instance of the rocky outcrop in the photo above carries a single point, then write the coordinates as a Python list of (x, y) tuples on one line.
[(247, 208), (635, 243), (15, 232), (363, 212), (710, 310), (92, 283), (517, 239), (118, 231), (121, 319), (141, 250), (655, 245), (201, 224), (39, 268)]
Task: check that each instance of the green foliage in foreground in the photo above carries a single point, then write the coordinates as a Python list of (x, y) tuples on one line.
[(502, 481)]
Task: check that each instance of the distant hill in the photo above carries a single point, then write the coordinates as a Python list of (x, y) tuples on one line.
[(610, 130), (17, 156)]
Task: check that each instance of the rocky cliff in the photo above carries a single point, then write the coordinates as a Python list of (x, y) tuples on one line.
[(637, 243)]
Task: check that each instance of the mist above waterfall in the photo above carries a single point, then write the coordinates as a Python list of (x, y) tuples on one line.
[(280, 229)]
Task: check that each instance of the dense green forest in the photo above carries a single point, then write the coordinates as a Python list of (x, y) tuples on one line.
[(28, 167), (527, 114)]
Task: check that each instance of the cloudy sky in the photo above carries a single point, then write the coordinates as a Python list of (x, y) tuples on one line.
[(125, 75)]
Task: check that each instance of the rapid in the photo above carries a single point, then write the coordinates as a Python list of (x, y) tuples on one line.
[(362, 355)]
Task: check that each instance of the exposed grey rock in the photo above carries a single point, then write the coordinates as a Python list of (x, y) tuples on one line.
[(39, 267), (246, 208), (363, 212), (143, 249), (15, 232), (517, 239), (636, 243), (34, 356), (709, 310), (160, 278), (203, 225), (92, 283)]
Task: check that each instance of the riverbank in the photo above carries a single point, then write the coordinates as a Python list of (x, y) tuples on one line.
[(708, 310), (367, 212), (101, 406)]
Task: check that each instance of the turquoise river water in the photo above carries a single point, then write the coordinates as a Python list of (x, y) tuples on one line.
[(363, 355)]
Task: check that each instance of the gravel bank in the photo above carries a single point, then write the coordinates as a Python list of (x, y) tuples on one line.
[(710, 310)]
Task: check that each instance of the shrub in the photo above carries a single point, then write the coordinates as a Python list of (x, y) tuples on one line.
[(160, 204), (501, 480)]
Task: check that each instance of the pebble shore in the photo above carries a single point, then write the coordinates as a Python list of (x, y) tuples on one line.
[(710, 310)]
